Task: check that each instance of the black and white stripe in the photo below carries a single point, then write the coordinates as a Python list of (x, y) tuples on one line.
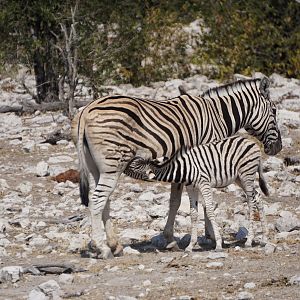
[(217, 164), (113, 130)]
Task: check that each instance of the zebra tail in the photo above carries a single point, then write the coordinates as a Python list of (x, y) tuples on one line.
[(262, 182), (84, 185)]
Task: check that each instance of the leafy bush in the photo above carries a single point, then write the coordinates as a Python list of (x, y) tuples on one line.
[(243, 36)]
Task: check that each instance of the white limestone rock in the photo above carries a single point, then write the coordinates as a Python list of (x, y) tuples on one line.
[(273, 163), (147, 196), (60, 159), (214, 265), (66, 279), (29, 146), (42, 169), (269, 248), (3, 185), (295, 280), (3, 252), (245, 296), (11, 274), (36, 294), (249, 285), (287, 222), (130, 251), (25, 187), (50, 288), (288, 189)]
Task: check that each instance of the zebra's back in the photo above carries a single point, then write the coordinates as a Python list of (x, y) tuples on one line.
[(219, 162)]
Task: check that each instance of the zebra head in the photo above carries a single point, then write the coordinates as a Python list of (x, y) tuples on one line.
[(263, 124), (140, 168)]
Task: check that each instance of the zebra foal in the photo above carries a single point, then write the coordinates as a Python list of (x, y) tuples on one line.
[(217, 164)]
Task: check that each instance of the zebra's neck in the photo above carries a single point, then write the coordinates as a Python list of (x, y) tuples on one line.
[(235, 103)]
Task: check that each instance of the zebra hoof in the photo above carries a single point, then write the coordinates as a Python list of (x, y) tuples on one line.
[(188, 249), (248, 244), (173, 246), (106, 254), (118, 250), (219, 250)]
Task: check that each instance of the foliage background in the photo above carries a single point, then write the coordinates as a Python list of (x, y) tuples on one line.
[(139, 42)]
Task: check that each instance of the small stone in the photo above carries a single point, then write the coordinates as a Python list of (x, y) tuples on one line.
[(214, 265), (147, 282), (38, 242), (295, 280), (42, 169), (3, 185), (272, 210), (136, 188), (49, 287), (60, 159), (141, 267), (66, 278), (245, 296), (11, 274), (147, 196), (29, 146), (36, 294), (3, 252), (287, 222), (25, 188), (128, 250), (269, 248), (249, 285), (217, 255), (166, 259)]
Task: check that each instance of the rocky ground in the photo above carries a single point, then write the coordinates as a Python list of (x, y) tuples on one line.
[(44, 231)]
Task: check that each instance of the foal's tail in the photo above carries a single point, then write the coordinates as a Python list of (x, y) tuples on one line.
[(262, 182)]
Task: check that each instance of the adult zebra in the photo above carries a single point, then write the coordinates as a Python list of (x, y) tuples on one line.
[(217, 164), (112, 130)]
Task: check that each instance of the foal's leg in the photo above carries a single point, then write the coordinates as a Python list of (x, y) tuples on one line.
[(207, 196), (194, 209), (262, 216), (247, 183), (175, 200)]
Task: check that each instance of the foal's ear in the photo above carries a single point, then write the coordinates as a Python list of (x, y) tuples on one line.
[(150, 174), (264, 87)]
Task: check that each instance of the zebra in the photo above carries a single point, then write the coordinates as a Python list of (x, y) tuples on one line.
[(217, 164), (111, 131)]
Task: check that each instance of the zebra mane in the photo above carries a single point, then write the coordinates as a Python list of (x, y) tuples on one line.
[(222, 89)]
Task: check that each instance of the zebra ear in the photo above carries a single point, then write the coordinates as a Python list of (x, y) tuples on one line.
[(160, 160), (150, 174), (264, 87)]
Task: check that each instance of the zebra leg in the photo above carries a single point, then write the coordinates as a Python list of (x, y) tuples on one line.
[(175, 200), (260, 206), (103, 190), (112, 239), (251, 207), (209, 232), (194, 205), (111, 236), (207, 195)]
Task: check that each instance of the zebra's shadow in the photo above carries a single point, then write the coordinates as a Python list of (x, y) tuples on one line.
[(158, 244)]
